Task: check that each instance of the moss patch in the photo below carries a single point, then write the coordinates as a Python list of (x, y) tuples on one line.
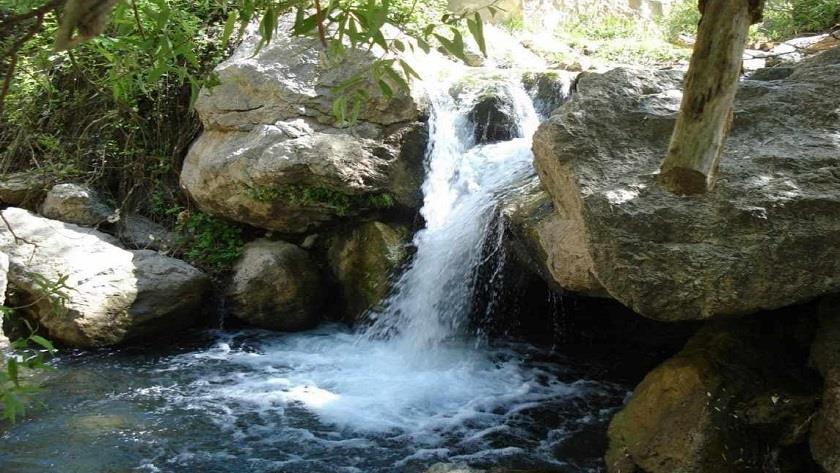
[(303, 196)]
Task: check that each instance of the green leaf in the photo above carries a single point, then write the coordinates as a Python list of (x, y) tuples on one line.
[(454, 46), (476, 27), (229, 25), (386, 89), (12, 370), (42, 342), (408, 70), (12, 406)]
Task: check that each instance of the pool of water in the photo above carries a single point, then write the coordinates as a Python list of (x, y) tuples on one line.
[(322, 401)]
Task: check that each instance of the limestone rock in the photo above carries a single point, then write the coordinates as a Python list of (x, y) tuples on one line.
[(825, 356), (24, 189), (272, 155), (364, 261), (75, 203), (736, 398), (276, 286), (138, 232), (112, 294), (767, 235)]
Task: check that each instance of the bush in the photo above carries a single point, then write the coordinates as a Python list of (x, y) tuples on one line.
[(783, 19)]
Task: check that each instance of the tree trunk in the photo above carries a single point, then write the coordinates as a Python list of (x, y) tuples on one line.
[(710, 85)]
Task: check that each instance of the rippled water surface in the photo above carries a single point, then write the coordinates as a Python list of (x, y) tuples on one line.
[(324, 401)]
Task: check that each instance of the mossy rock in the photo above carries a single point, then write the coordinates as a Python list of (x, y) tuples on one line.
[(364, 261), (735, 398)]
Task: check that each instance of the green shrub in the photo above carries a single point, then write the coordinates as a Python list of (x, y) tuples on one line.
[(209, 242), (783, 19)]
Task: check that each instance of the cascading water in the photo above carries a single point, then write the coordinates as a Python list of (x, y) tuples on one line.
[(432, 298), (411, 390)]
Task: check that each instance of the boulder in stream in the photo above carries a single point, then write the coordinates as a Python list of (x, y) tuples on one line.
[(738, 397), (767, 235), (107, 294), (364, 260), (276, 286)]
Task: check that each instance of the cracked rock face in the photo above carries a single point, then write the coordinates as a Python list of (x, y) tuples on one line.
[(767, 235), (272, 155)]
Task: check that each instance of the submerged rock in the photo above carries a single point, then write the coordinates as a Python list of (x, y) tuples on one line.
[(272, 154), (276, 286), (75, 203), (492, 115), (737, 398), (767, 235), (86, 291), (825, 356), (364, 261)]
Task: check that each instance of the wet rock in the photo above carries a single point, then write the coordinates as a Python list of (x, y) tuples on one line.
[(494, 117), (24, 189), (86, 291), (825, 356), (737, 398), (276, 286), (272, 154), (452, 468), (364, 261), (138, 232), (75, 203), (765, 237), (548, 89)]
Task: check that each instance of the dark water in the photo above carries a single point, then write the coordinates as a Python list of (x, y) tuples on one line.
[(323, 401)]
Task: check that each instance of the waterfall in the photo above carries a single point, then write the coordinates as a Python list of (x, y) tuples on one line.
[(431, 300)]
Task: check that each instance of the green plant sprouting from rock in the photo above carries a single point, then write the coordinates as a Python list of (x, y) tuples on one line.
[(209, 242), (301, 195)]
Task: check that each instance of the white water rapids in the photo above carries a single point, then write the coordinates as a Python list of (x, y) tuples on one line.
[(414, 388)]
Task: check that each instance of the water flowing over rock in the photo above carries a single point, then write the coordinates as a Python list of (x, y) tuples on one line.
[(112, 294), (75, 203), (768, 234), (364, 261), (272, 155), (825, 356), (276, 286), (737, 398)]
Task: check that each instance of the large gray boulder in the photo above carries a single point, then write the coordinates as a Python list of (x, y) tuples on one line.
[(276, 286), (109, 294), (272, 154), (767, 235)]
